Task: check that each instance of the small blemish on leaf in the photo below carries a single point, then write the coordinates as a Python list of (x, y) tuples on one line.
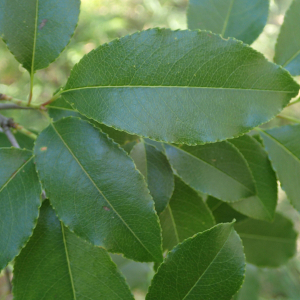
[(106, 208), (44, 149), (43, 23)]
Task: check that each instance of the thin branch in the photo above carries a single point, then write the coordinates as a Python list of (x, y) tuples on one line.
[(52, 99), (6, 123), (18, 102), (13, 106), (7, 275)]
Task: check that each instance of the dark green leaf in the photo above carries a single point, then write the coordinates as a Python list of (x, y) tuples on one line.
[(209, 265), (251, 286), (23, 140), (157, 172), (96, 190), (37, 31), (261, 206), (187, 87), (20, 192), (268, 244), (216, 169), (283, 147), (242, 19), (56, 264), (287, 52), (222, 212), (185, 215)]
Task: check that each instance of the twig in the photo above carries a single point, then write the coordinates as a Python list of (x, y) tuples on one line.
[(7, 275), (6, 124), (13, 106), (18, 102), (25, 131), (52, 99)]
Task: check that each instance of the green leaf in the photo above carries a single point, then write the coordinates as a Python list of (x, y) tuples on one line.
[(187, 87), (185, 215), (61, 109), (157, 171), (96, 190), (23, 140), (251, 287), (20, 192), (209, 265), (216, 169), (268, 244), (56, 264), (261, 206), (242, 19), (283, 147), (222, 212), (37, 31), (287, 51)]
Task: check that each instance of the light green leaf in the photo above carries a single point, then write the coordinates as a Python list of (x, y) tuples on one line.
[(261, 206), (242, 19), (96, 189), (187, 87), (56, 264), (185, 215), (216, 169), (210, 265), (222, 212), (157, 171), (268, 244), (20, 192), (287, 51), (283, 147), (37, 31)]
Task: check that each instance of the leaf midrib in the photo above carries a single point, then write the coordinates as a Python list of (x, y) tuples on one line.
[(100, 192), (34, 37), (227, 17)]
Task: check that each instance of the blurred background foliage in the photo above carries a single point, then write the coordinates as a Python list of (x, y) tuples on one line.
[(100, 22)]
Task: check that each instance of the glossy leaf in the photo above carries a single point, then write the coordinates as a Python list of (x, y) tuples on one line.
[(262, 205), (37, 31), (268, 244), (96, 190), (61, 109), (23, 140), (209, 265), (157, 172), (216, 169), (242, 19), (185, 215), (56, 264), (287, 51), (222, 211), (19, 201), (283, 147), (187, 87)]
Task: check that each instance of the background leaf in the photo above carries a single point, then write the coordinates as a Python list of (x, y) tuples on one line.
[(268, 244), (185, 215), (56, 264), (216, 169), (100, 188), (19, 201), (216, 255), (283, 147), (287, 51), (263, 204), (155, 84), (242, 19), (37, 31), (157, 171)]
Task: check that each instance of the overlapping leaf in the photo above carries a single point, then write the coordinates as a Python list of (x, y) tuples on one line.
[(268, 244), (56, 264), (287, 51), (242, 19), (96, 190), (185, 215), (283, 147), (19, 201), (209, 265), (36, 31), (184, 87), (157, 171), (216, 169)]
